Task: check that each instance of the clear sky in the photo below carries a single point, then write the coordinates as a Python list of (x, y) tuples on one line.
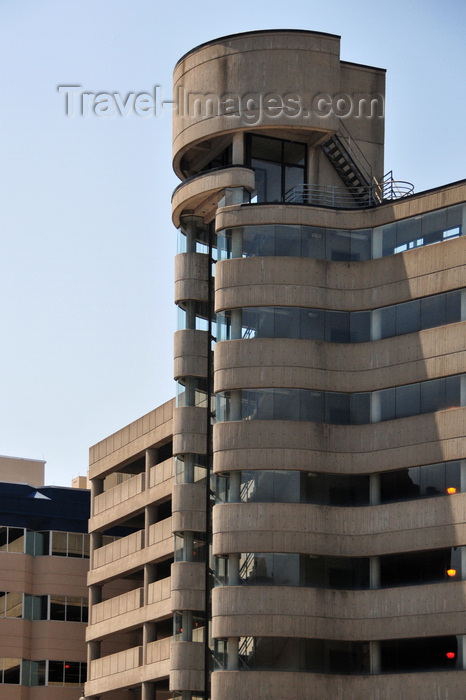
[(87, 244)]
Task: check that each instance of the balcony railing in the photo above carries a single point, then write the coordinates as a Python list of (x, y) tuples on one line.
[(350, 197)]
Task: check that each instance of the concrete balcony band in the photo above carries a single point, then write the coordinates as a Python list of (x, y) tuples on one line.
[(191, 277), (274, 281), (375, 614), (309, 364), (341, 532), (342, 449), (199, 196)]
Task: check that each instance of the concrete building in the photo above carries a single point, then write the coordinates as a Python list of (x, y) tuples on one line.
[(309, 541), (44, 559)]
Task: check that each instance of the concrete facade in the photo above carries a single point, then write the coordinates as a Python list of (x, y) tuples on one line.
[(293, 524)]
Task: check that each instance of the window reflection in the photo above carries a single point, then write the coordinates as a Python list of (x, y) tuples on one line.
[(340, 326), (293, 486), (332, 244), (342, 408)]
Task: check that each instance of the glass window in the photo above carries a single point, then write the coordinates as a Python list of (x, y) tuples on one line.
[(408, 400), (408, 317), (312, 324), (57, 607), (338, 245), (433, 311), (72, 673), (337, 326), (59, 544), (11, 670), (56, 673), (313, 242), (14, 604), (360, 326), (16, 539)]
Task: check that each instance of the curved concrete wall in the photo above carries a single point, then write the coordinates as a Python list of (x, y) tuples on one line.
[(313, 613), (347, 449), (353, 286), (310, 364), (341, 532), (266, 685)]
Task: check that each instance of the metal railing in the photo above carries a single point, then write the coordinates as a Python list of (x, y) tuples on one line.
[(350, 197)]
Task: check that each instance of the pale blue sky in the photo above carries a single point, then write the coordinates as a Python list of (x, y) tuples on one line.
[(87, 244)]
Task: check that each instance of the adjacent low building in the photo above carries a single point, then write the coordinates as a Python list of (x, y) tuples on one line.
[(44, 560)]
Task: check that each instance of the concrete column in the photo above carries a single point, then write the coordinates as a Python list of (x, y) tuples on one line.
[(93, 653), (235, 405), (150, 518), (233, 653), (190, 228), (376, 324), (377, 243), (463, 390), (374, 487), (463, 300), (95, 597), (375, 572), (237, 156), (148, 691), (233, 569), (95, 542), (237, 242), (151, 456), (236, 324), (375, 657), (461, 663), (97, 487), (463, 476), (190, 316), (235, 487), (150, 575), (149, 634), (188, 546), (376, 407), (462, 571)]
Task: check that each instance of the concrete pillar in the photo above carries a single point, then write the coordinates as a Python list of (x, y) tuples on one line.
[(377, 242), (150, 518), (148, 691), (97, 487), (375, 572), (190, 316), (376, 324), (95, 597), (95, 542), (93, 653), (149, 634), (237, 155), (461, 662), (374, 487), (188, 546), (236, 324), (151, 460), (463, 476), (235, 487), (233, 569), (235, 405), (237, 242), (150, 575), (463, 298), (375, 657), (233, 653), (376, 407)]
